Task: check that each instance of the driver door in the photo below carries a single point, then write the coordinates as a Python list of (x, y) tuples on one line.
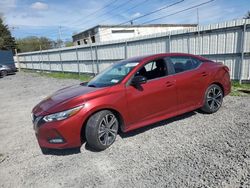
[(154, 98)]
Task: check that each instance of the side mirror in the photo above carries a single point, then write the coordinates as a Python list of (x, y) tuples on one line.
[(138, 80)]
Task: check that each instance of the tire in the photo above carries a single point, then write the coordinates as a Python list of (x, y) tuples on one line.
[(3, 73), (213, 99), (101, 130)]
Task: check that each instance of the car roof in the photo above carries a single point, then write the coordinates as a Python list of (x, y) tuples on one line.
[(146, 57)]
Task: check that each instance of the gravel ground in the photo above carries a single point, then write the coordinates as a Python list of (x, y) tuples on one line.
[(192, 150)]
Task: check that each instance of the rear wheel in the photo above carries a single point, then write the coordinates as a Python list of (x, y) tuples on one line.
[(101, 130), (3, 73), (213, 99)]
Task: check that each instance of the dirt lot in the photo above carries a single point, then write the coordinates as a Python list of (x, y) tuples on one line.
[(192, 150)]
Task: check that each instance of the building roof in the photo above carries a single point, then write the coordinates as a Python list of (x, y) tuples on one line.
[(131, 26)]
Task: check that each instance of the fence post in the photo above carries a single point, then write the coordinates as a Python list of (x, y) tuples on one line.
[(77, 60), (26, 65), (32, 62), (242, 50), (217, 46), (166, 45), (199, 40), (49, 61), (126, 50), (41, 64), (169, 43), (60, 56), (25, 62), (97, 61), (18, 62), (92, 59)]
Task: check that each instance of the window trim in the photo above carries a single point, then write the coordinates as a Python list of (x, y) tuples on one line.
[(132, 76)]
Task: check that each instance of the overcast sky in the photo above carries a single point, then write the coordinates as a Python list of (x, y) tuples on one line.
[(44, 17)]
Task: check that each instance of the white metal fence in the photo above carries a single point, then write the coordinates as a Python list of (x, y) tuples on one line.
[(227, 42)]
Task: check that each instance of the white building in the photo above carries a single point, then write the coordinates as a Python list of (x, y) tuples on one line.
[(104, 33)]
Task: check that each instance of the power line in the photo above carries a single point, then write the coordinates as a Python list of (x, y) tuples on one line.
[(117, 7), (129, 9), (112, 10), (139, 17), (157, 10), (152, 12), (183, 10), (93, 13), (147, 14)]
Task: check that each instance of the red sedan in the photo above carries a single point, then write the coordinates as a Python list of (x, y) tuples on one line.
[(130, 94)]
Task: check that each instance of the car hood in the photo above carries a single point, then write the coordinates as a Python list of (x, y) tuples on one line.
[(64, 99)]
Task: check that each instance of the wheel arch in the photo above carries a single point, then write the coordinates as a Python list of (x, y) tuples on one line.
[(220, 85)]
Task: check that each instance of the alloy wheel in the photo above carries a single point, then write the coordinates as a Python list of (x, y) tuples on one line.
[(108, 129), (214, 98), (4, 73)]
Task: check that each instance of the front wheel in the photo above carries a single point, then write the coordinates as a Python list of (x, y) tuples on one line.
[(101, 129), (3, 73), (213, 99)]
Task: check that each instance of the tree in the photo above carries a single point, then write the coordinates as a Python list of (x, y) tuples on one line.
[(7, 42), (247, 16), (33, 43), (68, 43)]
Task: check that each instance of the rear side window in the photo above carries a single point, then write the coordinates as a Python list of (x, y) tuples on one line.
[(182, 64)]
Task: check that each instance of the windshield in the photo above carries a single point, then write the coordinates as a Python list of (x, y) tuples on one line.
[(113, 74)]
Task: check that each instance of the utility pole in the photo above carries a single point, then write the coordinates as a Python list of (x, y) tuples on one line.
[(198, 18), (60, 36)]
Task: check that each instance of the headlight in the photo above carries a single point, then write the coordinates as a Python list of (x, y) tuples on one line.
[(62, 115)]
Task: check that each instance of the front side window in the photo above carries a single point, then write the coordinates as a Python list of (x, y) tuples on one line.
[(153, 69), (182, 64), (113, 75)]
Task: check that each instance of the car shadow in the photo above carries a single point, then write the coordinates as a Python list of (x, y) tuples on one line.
[(62, 152), (157, 124)]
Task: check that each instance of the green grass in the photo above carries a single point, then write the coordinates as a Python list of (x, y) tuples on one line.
[(60, 75), (236, 86)]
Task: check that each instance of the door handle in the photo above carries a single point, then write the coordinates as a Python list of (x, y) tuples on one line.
[(169, 83), (203, 74)]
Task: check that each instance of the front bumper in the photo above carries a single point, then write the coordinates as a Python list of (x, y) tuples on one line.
[(67, 131)]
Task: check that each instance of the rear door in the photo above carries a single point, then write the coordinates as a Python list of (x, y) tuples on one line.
[(191, 80), (154, 98)]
